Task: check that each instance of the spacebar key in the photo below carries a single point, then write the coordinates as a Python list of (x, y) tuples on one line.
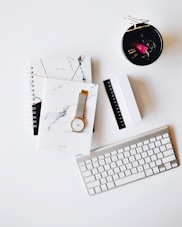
[(129, 179)]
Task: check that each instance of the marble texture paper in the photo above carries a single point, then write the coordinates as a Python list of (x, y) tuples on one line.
[(58, 109), (73, 68)]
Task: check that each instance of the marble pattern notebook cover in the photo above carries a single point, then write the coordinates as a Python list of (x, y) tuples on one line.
[(73, 68), (58, 109)]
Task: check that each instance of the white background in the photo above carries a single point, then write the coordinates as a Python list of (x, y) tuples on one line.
[(45, 188)]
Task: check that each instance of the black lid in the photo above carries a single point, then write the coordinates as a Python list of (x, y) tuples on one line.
[(142, 44)]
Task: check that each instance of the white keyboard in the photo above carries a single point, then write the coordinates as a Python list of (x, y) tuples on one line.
[(140, 157)]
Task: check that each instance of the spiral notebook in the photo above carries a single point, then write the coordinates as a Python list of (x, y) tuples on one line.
[(60, 100), (73, 68)]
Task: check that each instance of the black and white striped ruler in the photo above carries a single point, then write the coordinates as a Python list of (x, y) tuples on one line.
[(114, 103)]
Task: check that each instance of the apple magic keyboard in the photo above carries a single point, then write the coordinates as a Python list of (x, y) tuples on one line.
[(124, 162)]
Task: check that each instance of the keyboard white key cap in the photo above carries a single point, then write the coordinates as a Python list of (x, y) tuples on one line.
[(91, 191), (116, 170), (121, 175), (113, 153), (93, 184), (165, 141), (156, 170), (102, 162), (168, 152), (140, 168), (101, 157), (169, 146), (115, 176), (130, 178), (168, 165), (127, 172), (169, 158), (83, 168), (163, 148), (158, 162), (159, 137), (87, 173), (109, 179), (165, 135), (157, 143), (103, 181), (94, 171), (110, 185), (81, 163), (97, 189), (88, 161), (103, 187), (159, 155), (104, 174), (100, 169), (94, 159), (154, 158), (96, 164), (98, 176), (149, 172), (89, 166), (123, 168), (134, 170), (89, 179)]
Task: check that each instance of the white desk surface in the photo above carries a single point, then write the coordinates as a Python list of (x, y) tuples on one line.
[(45, 188)]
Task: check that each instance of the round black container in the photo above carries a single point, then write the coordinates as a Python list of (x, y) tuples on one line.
[(142, 44)]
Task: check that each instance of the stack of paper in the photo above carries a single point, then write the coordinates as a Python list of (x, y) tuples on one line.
[(56, 84)]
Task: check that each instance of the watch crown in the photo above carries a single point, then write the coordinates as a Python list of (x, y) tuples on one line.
[(85, 92)]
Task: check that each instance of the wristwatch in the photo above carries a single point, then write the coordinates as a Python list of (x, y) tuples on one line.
[(78, 124)]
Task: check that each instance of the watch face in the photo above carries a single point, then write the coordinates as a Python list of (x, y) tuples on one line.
[(77, 124)]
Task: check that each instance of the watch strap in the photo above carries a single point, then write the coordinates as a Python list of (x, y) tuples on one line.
[(81, 103)]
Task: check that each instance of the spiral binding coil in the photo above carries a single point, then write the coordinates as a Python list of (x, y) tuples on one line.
[(32, 109), (34, 117)]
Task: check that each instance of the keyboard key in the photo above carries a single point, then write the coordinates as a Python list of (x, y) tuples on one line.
[(168, 159), (88, 161), (89, 179), (94, 159), (165, 141), (87, 173), (110, 185), (123, 168), (145, 148), (104, 174), (91, 191), (121, 175), (127, 172), (168, 152), (98, 176), (97, 189), (156, 170), (109, 179), (103, 187), (93, 184), (81, 163), (129, 179), (149, 172), (113, 153), (115, 176), (83, 168), (139, 149), (134, 170)]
